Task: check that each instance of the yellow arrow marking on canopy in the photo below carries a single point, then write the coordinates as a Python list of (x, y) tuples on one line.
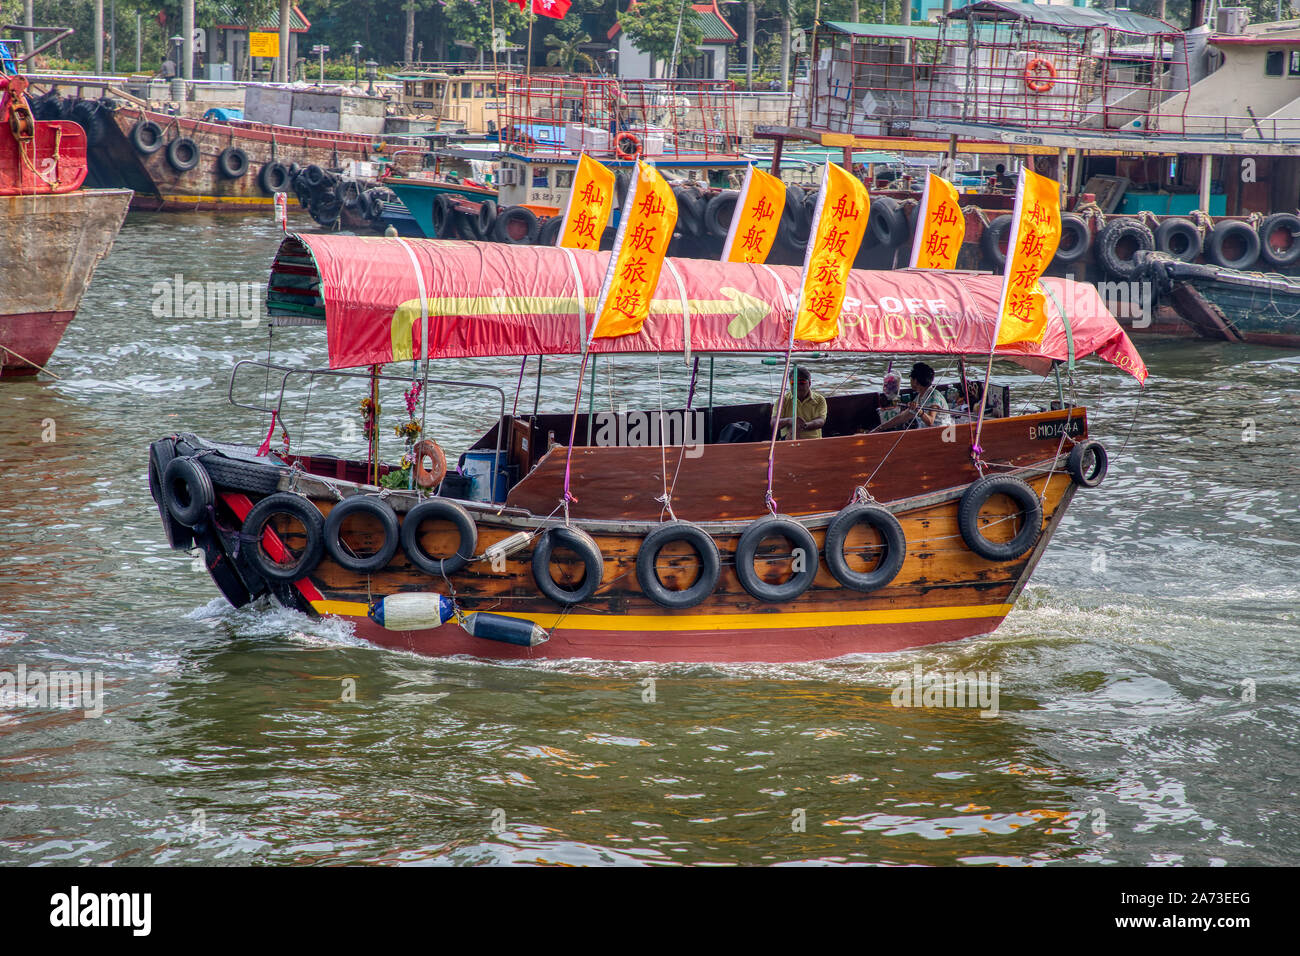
[(749, 311)]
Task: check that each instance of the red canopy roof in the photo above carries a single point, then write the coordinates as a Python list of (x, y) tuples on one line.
[(487, 299)]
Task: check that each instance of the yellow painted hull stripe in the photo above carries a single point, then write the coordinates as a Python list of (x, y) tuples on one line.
[(719, 622), (242, 200)]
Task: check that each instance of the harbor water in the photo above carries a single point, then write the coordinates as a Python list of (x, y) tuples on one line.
[(1148, 690)]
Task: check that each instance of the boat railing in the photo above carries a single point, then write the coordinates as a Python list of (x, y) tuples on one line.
[(313, 373)]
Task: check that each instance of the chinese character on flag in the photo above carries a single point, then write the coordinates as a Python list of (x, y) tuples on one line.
[(1035, 234), (644, 231), (555, 9), (838, 225), (588, 207), (753, 222), (940, 228)]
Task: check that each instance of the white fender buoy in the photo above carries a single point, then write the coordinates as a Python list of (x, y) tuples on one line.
[(412, 611)]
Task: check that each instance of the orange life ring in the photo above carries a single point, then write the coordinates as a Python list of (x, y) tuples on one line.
[(1033, 68), (622, 138), (428, 477)]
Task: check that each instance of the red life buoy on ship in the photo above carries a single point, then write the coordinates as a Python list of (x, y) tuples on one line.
[(427, 448), (1034, 68), (626, 137)]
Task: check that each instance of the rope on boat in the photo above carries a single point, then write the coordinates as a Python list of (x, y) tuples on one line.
[(35, 365)]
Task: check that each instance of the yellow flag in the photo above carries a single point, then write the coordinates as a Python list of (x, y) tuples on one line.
[(940, 231), (756, 218), (590, 202), (1035, 234), (644, 231), (838, 225)]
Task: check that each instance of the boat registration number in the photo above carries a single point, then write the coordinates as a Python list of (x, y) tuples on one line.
[(1052, 430)]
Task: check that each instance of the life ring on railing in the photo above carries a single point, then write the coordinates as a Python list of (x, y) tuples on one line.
[(626, 137), (428, 477), (1033, 68)]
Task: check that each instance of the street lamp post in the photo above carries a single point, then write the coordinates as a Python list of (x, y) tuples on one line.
[(356, 63), (372, 73), (321, 49)]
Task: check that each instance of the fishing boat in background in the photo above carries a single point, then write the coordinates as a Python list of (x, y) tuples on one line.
[(1229, 304), (676, 545), (52, 231)]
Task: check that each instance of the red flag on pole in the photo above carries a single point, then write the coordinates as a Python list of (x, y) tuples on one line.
[(555, 9)]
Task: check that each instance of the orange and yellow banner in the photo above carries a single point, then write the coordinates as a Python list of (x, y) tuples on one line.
[(756, 218), (941, 229), (644, 231), (1035, 234), (590, 202), (838, 225)]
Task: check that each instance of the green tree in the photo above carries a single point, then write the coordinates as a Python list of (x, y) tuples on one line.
[(566, 46), (651, 25), (471, 21)]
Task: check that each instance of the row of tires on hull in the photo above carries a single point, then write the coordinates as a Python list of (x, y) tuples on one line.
[(326, 195), (1231, 243), (186, 494)]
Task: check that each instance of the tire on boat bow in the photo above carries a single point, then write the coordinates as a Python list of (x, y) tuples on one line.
[(977, 495), (889, 564), (187, 490), (1086, 473), (374, 508), (255, 525)]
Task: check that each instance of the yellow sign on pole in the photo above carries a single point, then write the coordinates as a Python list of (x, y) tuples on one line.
[(756, 218), (839, 223), (941, 227), (1035, 234), (263, 44), (644, 231), (587, 210)]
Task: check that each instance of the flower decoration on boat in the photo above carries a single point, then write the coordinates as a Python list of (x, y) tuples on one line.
[(370, 411), (408, 431)]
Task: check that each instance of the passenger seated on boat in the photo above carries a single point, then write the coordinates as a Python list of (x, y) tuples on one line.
[(812, 409), (967, 408), (930, 408)]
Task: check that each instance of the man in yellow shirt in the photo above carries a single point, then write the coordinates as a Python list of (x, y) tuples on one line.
[(811, 413)]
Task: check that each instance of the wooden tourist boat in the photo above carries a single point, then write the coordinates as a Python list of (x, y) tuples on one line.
[(52, 232), (614, 549)]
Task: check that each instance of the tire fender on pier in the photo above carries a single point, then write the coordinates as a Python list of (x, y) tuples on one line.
[(1233, 230), (1108, 248)]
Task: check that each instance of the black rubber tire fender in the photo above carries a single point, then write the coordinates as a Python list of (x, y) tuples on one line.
[(718, 213), (1181, 239), (187, 491), (295, 506), (550, 231), (438, 510), (1075, 239), (977, 495), (705, 549), (183, 154), (382, 512), (887, 222), (146, 137), (313, 175), (487, 217), (161, 454), (690, 211), (232, 163), (747, 548), (325, 209), (86, 114), (273, 178), (522, 218), (372, 205), (890, 530), (244, 476), (1225, 232), (1107, 245), (991, 239), (440, 216), (1078, 467), (583, 545), (1288, 223), (621, 182)]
